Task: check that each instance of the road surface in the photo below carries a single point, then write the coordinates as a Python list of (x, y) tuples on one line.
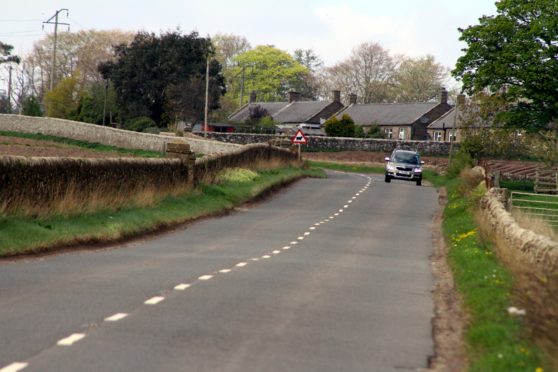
[(328, 275)]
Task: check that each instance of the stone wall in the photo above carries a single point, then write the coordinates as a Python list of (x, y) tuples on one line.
[(343, 144), (537, 250), (105, 135)]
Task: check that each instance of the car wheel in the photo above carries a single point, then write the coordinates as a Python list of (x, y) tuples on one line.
[(419, 182), (388, 179)]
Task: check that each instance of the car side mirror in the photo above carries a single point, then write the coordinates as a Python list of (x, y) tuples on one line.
[(386, 159)]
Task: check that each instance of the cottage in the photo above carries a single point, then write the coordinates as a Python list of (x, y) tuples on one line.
[(400, 121), (294, 113)]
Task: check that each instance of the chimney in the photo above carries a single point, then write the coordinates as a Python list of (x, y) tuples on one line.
[(253, 96), (443, 95), (294, 96), (352, 99), (461, 100), (336, 95)]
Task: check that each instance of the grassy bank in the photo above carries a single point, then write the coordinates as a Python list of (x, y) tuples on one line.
[(83, 144), (497, 340), (25, 235)]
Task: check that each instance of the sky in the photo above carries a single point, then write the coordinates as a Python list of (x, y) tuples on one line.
[(332, 28)]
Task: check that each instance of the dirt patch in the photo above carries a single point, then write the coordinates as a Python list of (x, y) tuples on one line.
[(449, 320), (15, 146)]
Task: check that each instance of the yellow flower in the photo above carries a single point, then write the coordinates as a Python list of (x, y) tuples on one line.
[(539, 369)]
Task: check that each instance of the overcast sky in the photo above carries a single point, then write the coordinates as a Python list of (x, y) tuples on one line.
[(330, 27)]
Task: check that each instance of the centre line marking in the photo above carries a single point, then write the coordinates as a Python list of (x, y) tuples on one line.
[(307, 233), (224, 271), (266, 256), (300, 238), (181, 287), (14, 367), (294, 243), (205, 277), (241, 264), (70, 340), (340, 210), (286, 247), (313, 228), (276, 252), (116, 317), (317, 224), (336, 214), (346, 206), (255, 259), (154, 300)]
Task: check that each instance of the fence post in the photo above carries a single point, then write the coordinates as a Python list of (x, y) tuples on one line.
[(182, 151)]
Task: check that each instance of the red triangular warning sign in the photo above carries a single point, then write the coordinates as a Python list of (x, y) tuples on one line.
[(299, 138)]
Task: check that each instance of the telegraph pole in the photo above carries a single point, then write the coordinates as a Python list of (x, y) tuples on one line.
[(10, 90), (206, 97), (55, 23)]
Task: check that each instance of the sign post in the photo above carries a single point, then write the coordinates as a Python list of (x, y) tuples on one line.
[(299, 139)]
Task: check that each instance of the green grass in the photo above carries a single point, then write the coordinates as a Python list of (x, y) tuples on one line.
[(494, 338), (83, 144), (515, 185), (21, 235), (436, 179)]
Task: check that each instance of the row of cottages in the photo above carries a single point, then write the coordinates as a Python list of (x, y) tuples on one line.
[(401, 121)]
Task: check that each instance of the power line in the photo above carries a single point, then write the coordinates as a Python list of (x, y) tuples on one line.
[(55, 23)]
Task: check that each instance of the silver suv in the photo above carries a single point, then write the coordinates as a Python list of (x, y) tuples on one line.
[(404, 165)]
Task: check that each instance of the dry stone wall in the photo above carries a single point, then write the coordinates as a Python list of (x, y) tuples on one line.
[(536, 249), (105, 135), (316, 143)]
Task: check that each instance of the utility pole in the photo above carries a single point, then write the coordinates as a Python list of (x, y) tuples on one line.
[(206, 97), (105, 102), (55, 23), (10, 90), (242, 85)]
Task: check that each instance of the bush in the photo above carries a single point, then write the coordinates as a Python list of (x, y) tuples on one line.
[(458, 163), (340, 128), (32, 107), (140, 124)]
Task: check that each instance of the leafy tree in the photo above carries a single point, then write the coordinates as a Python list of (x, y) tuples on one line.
[(62, 100), (5, 54), (92, 102), (515, 53), (308, 84), (344, 127), (32, 106), (309, 59), (256, 114), (375, 132), (149, 74), (228, 47), (140, 124), (359, 132), (419, 79), (270, 71)]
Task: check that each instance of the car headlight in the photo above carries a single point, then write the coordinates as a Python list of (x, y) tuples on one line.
[(417, 170), (390, 168)]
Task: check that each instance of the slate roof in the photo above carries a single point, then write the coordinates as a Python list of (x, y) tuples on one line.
[(387, 113), (271, 107), (445, 121), (300, 111)]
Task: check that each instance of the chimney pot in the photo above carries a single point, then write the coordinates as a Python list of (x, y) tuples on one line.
[(294, 96), (336, 96), (352, 99), (443, 95), (253, 96), (461, 100)]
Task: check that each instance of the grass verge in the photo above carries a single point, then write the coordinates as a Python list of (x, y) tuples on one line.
[(20, 235), (496, 340), (433, 177), (83, 144)]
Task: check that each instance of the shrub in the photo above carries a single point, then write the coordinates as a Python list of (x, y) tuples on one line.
[(32, 107), (340, 128), (140, 124), (458, 163)]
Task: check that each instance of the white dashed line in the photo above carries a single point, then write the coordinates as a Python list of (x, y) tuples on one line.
[(335, 214), (312, 228), (255, 259), (241, 264), (307, 233), (317, 224), (205, 277), (340, 210), (70, 340), (331, 217), (116, 317), (286, 247), (266, 256), (224, 271), (300, 238), (357, 194), (294, 243), (14, 367), (349, 201), (346, 206), (181, 287), (154, 300), (353, 198), (276, 252)]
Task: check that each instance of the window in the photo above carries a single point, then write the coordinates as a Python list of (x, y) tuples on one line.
[(388, 132), (401, 133), (452, 135), (437, 136)]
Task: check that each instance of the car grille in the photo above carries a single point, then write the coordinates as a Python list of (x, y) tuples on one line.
[(408, 169)]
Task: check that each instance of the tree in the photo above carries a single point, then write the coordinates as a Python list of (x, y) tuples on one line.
[(308, 84), (62, 100), (270, 71), (32, 106), (228, 47), (91, 104), (370, 72), (344, 127), (5, 54), (419, 79), (515, 53), (149, 74)]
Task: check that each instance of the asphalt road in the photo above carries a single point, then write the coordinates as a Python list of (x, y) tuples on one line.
[(329, 275)]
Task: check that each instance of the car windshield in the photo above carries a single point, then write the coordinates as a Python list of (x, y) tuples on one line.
[(406, 157)]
